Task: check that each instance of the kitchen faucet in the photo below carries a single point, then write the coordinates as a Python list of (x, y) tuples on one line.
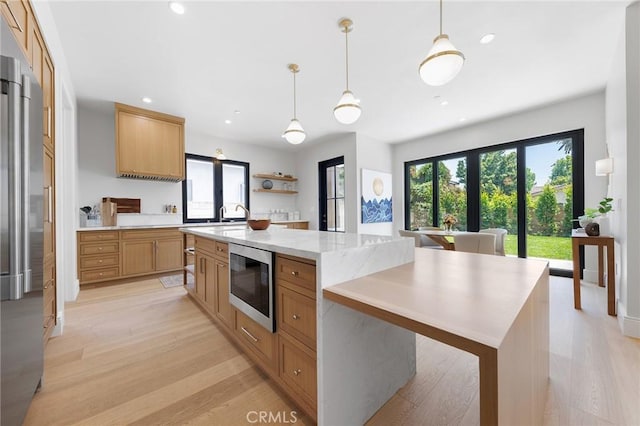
[(222, 210), (246, 212)]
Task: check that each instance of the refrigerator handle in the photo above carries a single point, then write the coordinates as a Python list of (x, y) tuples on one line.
[(14, 180), (26, 184)]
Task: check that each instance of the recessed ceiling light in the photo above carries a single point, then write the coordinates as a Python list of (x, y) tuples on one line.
[(146, 100), (444, 103), (176, 7), (227, 121), (487, 38)]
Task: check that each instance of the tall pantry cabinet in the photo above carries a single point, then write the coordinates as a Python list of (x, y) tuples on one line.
[(20, 16)]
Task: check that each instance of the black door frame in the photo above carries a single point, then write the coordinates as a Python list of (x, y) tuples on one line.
[(322, 189)]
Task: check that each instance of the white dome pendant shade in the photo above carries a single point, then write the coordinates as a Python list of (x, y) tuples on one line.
[(443, 62), (348, 109), (295, 133)]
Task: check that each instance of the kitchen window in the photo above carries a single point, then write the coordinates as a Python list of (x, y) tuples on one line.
[(211, 184)]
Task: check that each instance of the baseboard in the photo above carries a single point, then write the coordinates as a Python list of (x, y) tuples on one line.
[(630, 326), (57, 330)]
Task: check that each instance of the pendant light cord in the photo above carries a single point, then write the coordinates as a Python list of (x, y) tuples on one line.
[(346, 54), (294, 95), (440, 17)]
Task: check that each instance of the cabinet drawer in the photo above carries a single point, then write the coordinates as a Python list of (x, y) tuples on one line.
[(203, 244), (222, 250), (99, 248), (98, 261), (298, 368), (99, 274), (150, 234), (98, 236), (255, 336), (296, 272), (297, 315)]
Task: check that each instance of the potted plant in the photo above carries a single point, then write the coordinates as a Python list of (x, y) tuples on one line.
[(590, 214)]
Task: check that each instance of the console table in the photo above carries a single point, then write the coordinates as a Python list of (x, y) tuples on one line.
[(578, 239)]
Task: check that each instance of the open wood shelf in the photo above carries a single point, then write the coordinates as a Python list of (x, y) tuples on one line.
[(275, 191), (275, 177)]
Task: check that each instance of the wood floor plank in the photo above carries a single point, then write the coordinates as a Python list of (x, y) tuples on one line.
[(140, 353)]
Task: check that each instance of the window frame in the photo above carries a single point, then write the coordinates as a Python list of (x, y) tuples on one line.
[(473, 183), (217, 188)]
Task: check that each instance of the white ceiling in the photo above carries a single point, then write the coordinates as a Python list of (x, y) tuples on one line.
[(224, 56)]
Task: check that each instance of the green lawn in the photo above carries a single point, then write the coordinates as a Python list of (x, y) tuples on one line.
[(544, 247)]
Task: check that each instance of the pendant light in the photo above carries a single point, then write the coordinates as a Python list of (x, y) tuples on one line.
[(348, 109), (295, 133), (443, 62)]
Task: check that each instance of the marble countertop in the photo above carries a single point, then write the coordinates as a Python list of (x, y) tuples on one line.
[(172, 225), (294, 242)]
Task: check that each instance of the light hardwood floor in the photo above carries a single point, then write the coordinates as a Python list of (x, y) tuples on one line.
[(138, 353)]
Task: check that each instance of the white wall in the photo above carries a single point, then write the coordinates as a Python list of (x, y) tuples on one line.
[(373, 155), (306, 161), (583, 112), (623, 137), (97, 175), (66, 165)]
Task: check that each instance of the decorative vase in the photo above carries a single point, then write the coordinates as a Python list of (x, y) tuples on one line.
[(584, 220), (447, 227)]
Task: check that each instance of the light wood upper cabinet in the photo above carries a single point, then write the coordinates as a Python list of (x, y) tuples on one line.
[(17, 14), (149, 145), (38, 49), (48, 96)]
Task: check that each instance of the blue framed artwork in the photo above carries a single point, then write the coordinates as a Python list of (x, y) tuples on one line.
[(376, 197)]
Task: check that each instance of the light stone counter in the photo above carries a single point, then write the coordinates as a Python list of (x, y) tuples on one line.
[(361, 360), (172, 225)]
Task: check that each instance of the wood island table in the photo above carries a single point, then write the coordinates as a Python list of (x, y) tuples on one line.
[(494, 307)]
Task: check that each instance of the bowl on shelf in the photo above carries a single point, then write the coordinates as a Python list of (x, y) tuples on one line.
[(258, 224)]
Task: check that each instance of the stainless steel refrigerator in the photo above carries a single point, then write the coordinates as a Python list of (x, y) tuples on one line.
[(21, 237)]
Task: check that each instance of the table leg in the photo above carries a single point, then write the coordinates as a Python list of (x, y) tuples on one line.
[(488, 366), (576, 274), (442, 241), (611, 279), (601, 264)]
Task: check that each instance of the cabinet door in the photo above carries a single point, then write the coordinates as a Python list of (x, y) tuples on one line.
[(138, 257), (167, 156), (168, 254), (223, 307), (210, 295), (18, 15), (49, 242), (131, 146), (201, 275), (48, 91), (37, 53)]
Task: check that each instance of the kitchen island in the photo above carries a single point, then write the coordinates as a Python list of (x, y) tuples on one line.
[(370, 298), (359, 361)]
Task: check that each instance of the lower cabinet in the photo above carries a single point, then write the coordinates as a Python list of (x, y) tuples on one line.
[(115, 254), (289, 354)]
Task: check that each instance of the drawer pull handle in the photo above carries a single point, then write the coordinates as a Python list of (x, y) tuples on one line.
[(249, 334), (295, 317), (294, 273), (297, 372), (222, 265), (100, 261), (99, 248), (100, 274), (51, 281)]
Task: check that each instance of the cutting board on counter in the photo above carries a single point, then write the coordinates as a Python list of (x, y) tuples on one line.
[(109, 216), (125, 205)]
